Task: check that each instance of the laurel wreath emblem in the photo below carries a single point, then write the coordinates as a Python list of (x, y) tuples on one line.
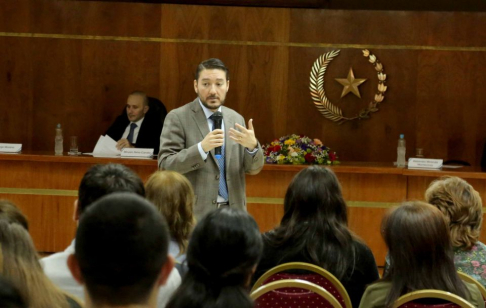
[(322, 103)]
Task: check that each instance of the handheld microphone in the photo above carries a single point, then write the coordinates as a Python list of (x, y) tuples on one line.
[(217, 120)]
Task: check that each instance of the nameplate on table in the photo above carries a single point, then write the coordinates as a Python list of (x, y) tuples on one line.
[(10, 147), (425, 163), (136, 152)]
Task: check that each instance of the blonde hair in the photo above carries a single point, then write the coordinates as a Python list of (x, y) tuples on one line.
[(173, 196), (19, 262), (461, 206)]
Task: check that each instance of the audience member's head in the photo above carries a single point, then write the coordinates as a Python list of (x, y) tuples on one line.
[(462, 209), (420, 251), (173, 196), (102, 180), (121, 251), (10, 295), (12, 213), (223, 252), (19, 263), (314, 207)]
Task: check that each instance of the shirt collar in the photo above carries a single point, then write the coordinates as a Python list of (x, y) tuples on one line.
[(139, 122), (207, 112)]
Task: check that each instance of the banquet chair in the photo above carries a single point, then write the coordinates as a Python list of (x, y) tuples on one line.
[(293, 293), (467, 278), (409, 300), (317, 275)]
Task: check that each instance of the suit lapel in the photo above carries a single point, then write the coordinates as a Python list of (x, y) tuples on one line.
[(229, 122), (200, 118)]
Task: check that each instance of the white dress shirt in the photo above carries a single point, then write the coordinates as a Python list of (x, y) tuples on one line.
[(135, 131)]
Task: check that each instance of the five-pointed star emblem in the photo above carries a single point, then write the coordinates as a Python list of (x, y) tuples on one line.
[(350, 84)]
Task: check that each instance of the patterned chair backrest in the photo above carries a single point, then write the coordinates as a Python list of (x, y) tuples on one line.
[(415, 300), (290, 293), (308, 272), (314, 278)]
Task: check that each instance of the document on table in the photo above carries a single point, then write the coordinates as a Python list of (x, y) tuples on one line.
[(106, 146)]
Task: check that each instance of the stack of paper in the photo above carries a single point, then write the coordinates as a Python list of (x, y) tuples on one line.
[(106, 147)]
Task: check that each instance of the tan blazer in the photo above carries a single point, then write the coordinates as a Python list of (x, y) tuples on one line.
[(184, 128)]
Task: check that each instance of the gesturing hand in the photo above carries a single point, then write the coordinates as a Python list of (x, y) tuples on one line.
[(213, 140), (245, 137)]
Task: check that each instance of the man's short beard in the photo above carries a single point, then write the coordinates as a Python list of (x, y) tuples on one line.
[(205, 104)]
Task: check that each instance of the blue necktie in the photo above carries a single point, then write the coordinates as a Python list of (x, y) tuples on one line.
[(223, 189), (130, 134)]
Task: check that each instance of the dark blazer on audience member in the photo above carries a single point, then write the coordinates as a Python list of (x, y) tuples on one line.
[(148, 135), (355, 281)]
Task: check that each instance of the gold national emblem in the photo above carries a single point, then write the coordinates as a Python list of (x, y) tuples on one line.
[(328, 109)]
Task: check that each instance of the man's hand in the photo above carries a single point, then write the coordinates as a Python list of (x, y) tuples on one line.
[(243, 136), (123, 143), (213, 140)]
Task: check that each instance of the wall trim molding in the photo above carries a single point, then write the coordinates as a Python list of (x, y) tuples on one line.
[(240, 43)]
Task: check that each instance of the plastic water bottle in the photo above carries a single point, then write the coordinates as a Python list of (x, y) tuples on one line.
[(58, 140), (401, 149)]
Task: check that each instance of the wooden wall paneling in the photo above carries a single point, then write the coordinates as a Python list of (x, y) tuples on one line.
[(51, 223), (456, 29), (96, 18), (16, 89), (389, 187), (450, 105), (234, 24), (15, 16), (366, 222), (358, 27), (267, 216)]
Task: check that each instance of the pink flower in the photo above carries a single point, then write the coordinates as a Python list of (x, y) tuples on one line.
[(475, 263), (474, 248)]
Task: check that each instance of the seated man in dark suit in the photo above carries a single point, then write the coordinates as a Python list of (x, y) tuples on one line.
[(138, 126)]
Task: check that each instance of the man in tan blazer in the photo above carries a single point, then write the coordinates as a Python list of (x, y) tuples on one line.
[(188, 142)]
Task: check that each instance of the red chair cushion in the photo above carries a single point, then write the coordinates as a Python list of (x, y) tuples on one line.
[(314, 278)]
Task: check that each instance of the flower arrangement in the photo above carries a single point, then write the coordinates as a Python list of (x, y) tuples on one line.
[(298, 150)]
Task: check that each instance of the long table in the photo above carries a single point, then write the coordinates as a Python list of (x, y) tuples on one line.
[(45, 187)]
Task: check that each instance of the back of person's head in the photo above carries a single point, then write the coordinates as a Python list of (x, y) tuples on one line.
[(10, 212), (420, 251), (462, 209), (314, 206), (101, 180), (172, 194), (224, 249), (19, 263), (10, 295), (121, 250)]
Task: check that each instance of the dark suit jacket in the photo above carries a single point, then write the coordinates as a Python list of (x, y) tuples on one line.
[(148, 135)]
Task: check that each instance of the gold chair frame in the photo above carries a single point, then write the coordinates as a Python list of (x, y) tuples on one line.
[(296, 283), (311, 268), (432, 294), (467, 278)]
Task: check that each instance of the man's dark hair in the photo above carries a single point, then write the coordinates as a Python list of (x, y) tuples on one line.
[(102, 180), (121, 247), (211, 64)]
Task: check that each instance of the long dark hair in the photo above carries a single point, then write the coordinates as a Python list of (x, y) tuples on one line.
[(315, 222), (224, 249), (420, 250)]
